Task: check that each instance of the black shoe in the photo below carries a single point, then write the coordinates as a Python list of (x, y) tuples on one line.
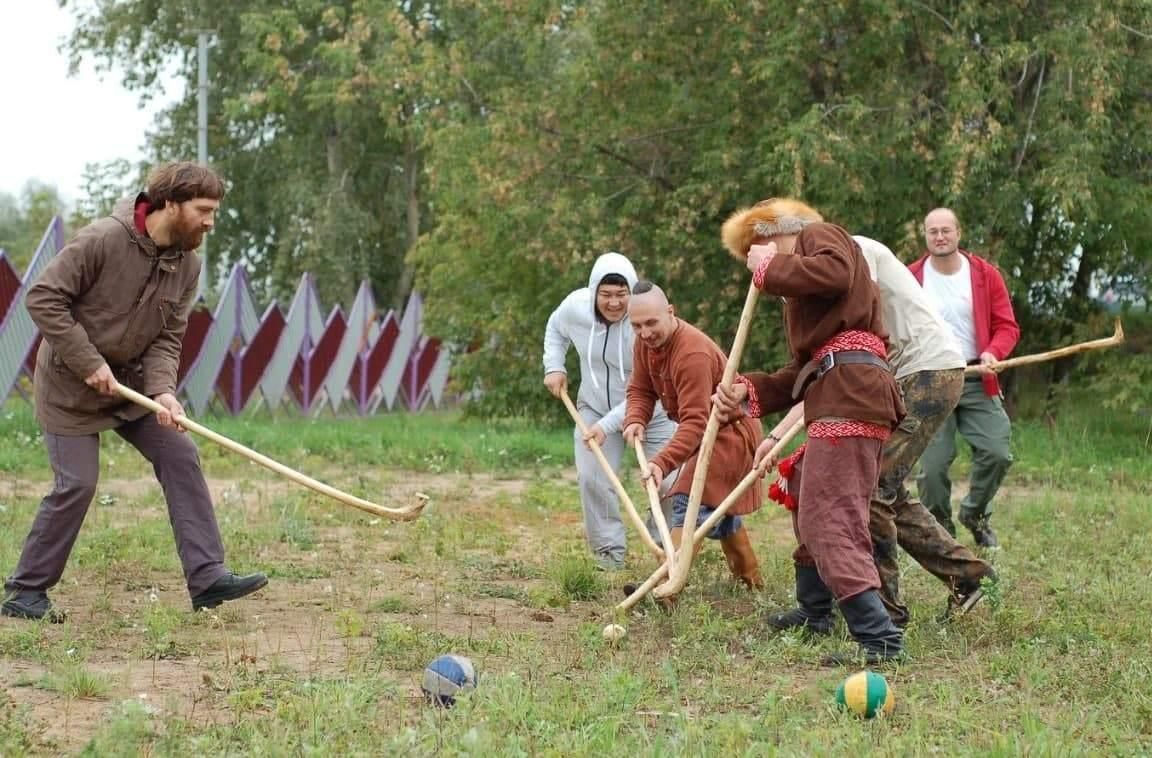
[(967, 595), (31, 604), (981, 532), (228, 587)]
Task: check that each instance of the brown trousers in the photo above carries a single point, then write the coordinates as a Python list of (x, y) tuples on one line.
[(930, 397), (834, 481), (75, 462)]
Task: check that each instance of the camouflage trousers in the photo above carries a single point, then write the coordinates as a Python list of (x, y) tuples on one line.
[(895, 518)]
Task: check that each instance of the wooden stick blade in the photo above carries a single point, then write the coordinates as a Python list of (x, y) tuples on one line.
[(407, 513)]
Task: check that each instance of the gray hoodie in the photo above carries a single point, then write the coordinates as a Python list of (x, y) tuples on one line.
[(605, 350)]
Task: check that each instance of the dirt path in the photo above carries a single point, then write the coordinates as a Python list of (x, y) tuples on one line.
[(368, 606)]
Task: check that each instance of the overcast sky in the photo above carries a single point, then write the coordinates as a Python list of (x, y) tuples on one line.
[(53, 123)]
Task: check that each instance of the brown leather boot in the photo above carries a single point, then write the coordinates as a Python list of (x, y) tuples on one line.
[(742, 559)]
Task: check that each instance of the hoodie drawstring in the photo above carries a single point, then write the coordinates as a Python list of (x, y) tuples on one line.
[(591, 344), (620, 353)]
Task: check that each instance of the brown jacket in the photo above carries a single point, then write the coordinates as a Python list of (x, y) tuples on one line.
[(828, 290), (108, 297), (682, 375)]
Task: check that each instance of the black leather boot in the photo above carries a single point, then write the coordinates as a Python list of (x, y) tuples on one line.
[(814, 613), (880, 640)]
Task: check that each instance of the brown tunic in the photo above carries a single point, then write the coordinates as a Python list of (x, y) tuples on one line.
[(827, 290), (108, 297), (682, 375)]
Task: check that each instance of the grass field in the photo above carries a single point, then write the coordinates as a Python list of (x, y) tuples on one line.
[(327, 660)]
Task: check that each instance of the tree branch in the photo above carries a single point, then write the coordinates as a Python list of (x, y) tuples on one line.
[(935, 13), (1137, 32), (660, 181), (1031, 116)]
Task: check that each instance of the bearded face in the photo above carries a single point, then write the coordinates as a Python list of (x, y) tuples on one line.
[(194, 219)]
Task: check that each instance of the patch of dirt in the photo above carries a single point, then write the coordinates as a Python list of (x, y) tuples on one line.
[(380, 580)]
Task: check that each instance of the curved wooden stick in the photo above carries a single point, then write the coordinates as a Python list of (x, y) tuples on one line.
[(678, 577), (654, 506), (396, 514), (615, 480), (710, 523), (1060, 352)]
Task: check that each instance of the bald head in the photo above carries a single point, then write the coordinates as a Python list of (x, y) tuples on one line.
[(651, 315), (942, 232)]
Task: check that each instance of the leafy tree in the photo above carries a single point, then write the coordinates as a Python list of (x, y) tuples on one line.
[(24, 220), (515, 141), (314, 122), (641, 130)]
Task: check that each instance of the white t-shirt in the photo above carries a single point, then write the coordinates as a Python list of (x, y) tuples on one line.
[(951, 295), (918, 340)]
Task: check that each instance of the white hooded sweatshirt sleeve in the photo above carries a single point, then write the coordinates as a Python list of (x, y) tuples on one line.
[(605, 349)]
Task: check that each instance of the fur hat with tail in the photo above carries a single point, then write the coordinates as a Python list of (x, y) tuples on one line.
[(768, 218)]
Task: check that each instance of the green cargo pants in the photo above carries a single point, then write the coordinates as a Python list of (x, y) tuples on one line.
[(984, 425)]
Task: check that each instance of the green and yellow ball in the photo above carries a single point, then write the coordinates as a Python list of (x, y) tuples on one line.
[(866, 694)]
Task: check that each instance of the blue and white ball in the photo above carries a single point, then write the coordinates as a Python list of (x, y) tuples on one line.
[(446, 677)]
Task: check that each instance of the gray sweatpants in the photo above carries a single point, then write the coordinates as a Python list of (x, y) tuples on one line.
[(603, 525), (75, 462)]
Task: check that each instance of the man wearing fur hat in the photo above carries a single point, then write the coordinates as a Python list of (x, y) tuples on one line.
[(677, 365), (593, 319), (929, 371), (840, 370)]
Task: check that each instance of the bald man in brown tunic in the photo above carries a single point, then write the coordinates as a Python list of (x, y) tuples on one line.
[(677, 364)]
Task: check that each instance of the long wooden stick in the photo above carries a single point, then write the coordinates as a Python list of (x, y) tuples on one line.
[(407, 513), (615, 480), (1060, 352), (679, 576), (654, 506), (710, 523)]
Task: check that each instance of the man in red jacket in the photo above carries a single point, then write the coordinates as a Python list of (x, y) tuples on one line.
[(970, 295)]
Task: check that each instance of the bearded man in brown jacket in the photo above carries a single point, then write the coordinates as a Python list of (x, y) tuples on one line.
[(677, 364), (112, 308), (839, 369)]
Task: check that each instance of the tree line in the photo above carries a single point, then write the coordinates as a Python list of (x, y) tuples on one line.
[(487, 151)]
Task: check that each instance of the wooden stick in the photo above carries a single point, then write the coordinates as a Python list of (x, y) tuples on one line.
[(407, 513), (654, 506), (615, 480), (713, 518), (1061, 352), (679, 576)]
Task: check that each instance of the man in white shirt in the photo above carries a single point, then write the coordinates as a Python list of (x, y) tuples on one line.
[(972, 299)]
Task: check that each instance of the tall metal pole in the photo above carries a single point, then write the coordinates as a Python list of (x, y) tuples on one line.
[(202, 140)]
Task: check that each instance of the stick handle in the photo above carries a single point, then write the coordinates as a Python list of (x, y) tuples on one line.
[(713, 518), (615, 480), (679, 575), (1061, 352), (654, 506), (398, 514)]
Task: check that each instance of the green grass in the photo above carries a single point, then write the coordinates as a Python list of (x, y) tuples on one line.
[(327, 660)]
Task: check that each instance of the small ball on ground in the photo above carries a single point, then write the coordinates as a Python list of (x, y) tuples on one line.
[(866, 694), (446, 677), (614, 632)]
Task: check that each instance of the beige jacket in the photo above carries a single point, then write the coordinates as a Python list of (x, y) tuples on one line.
[(108, 297)]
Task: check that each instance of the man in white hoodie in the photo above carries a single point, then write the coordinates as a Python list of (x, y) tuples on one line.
[(594, 320)]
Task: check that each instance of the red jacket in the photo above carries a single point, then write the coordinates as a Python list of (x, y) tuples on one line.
[(992, 318)]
